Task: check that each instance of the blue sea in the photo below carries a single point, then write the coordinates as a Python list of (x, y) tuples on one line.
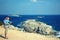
[(53, 20)]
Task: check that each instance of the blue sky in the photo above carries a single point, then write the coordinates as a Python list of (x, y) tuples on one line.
[(30, 7)]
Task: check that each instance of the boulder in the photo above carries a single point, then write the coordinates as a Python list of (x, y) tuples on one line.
[(34, 26), (15, 28), (11, 27)]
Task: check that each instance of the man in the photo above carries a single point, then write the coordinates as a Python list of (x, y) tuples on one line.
[(6, 24)]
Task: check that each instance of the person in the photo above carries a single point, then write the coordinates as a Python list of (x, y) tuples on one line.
[(6, 24)]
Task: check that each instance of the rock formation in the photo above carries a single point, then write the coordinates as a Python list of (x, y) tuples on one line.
[(37, 27)]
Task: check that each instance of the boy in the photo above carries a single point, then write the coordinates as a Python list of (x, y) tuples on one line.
[(6, 24)]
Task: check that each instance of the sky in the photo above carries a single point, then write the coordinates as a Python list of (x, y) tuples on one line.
[(30, 7)]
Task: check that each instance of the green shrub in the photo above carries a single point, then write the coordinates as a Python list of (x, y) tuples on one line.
[(1, 23)]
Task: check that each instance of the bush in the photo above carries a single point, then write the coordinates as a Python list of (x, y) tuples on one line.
[(1, 23)]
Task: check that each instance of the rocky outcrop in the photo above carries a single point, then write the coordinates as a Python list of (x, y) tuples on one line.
[(37, 27), (15, 28)]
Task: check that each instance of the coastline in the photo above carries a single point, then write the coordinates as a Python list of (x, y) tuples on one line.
[(20, 35)]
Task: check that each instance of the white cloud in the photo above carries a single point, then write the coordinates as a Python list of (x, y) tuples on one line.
[(33, 0)]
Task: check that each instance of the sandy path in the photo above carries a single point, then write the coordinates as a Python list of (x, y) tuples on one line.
[(19, 35)]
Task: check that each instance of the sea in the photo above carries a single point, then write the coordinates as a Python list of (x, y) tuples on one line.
[(53, 20)]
